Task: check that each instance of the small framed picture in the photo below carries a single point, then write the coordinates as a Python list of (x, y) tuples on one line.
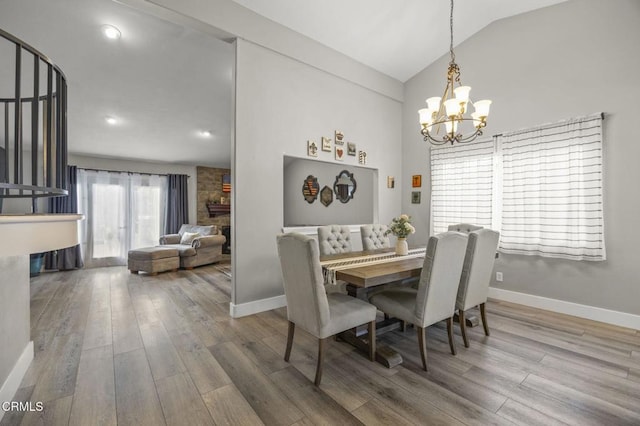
[(312, 149), (415, 197), (339, 137), (362, 157), (326, 144), (416, 181), (391, 182), (339, 153), (351, 149)]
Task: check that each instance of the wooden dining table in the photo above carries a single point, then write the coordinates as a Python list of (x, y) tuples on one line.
[(361, 279)]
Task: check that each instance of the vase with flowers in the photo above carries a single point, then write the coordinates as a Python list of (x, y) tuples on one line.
[(401, 227)]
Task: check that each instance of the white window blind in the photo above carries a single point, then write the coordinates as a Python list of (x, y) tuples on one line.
[(552, 190), (462, 185)]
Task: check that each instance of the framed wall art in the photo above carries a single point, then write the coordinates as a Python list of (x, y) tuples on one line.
[(415, 197), (416, 181), (326, 196), (326, 144), (340, 153), (339, 137), (351, 149), (312, 149)]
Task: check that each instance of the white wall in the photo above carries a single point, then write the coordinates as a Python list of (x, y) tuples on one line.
[(280, 104), (298, 212), (143, 167), (568, 60), (14, 323)]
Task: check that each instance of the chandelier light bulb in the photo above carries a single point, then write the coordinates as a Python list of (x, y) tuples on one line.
[(111, 120)]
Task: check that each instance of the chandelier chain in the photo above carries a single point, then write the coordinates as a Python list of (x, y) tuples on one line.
[(453, 55)]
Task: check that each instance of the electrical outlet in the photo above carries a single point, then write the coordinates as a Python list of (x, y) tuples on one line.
[(499, 276)]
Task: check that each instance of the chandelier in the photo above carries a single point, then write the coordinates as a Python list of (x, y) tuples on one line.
[(450, 110)]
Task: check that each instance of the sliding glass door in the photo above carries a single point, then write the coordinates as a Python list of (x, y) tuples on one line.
[(123, 211)]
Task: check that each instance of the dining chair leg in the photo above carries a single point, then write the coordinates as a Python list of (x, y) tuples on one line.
[(483, 314), (403, 326), (372, 341), (292, 329), (321, 347), (463, 327), (423, 348), (450, 334)]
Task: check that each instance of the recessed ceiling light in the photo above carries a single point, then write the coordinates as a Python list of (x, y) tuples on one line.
[(206, 133), (110, 120), (111, 32)]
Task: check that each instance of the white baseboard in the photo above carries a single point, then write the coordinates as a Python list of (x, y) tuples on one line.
[(250, 308), (621, 319), (11, 385)]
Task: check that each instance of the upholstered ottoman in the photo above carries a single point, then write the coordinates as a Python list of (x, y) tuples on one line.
[(153, 260)]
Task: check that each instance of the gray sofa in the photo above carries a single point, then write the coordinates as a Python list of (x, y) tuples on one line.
[(203, 249)]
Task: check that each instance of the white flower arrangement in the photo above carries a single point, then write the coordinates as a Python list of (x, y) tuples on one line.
[(401, 226)]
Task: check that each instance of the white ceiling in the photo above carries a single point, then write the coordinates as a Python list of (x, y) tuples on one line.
[(165, 83), (398, 38), (162, 82)]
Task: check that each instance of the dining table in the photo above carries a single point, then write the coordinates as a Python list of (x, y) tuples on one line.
[(371, 270)]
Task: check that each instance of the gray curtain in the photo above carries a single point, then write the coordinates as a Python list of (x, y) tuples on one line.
[(71, 257), (177, 203)]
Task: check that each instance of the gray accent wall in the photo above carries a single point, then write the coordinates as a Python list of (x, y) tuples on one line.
[(298, 212), (14, 312), (563, 61), (280, 104)]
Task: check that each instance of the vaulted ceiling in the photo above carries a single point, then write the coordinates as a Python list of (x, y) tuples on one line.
[(165, 84)]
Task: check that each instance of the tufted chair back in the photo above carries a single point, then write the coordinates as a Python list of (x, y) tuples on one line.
[(334, 239), (373, 236), (464, 227)]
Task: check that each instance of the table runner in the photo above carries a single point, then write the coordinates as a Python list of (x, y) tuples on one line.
[(329, 267)]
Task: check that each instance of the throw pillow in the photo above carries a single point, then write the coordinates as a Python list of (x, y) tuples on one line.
[(188, 237)]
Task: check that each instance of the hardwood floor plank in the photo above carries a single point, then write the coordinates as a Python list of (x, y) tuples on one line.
[(181, 402), (228, 407), (136, 397), (98, 330), (57, 377), (126, 333), (522, 415), (376, 412), (311, 400), (10, 418), (453, 404), (271, 405), (162, 355), (55, 413), (607, 412), (94, 401), (206, 372)]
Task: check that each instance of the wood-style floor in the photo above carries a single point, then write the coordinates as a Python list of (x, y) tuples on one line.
[(116, 348)]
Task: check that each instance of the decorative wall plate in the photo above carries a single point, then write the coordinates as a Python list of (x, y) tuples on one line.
[(310, 189), (326, 196)]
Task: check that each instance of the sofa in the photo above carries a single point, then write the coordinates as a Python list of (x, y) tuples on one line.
[(196, 244)]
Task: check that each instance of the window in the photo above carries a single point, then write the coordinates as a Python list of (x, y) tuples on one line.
[(547, 189), (123, 211), (462, 185)]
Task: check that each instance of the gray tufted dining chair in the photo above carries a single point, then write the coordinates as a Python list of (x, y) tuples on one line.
[(464, 227), (309, 307), (435, 298), (476, 275), (334, 239), (373, 236)]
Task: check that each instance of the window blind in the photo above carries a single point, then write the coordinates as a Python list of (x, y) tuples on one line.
[(462, 185), (552, 190)]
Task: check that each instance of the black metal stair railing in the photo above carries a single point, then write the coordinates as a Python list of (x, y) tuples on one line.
[(33, 123)]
